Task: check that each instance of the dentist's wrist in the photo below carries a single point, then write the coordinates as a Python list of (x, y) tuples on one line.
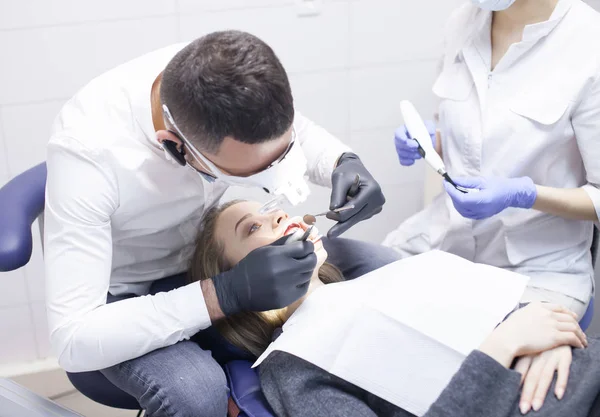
[(525, 193), (212, 301)]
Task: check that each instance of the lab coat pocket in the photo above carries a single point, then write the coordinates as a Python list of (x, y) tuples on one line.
[(540, 108), (543, 242), (454, 83)]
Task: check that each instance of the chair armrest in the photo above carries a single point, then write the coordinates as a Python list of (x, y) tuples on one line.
[(21, 202), (245, 389)]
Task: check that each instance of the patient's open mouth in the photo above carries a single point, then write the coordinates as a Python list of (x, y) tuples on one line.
[(292, 227)]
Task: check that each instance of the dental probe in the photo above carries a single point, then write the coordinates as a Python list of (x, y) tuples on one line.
[(312, 218)]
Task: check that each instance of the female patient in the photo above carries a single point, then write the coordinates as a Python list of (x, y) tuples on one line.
[(484, 385)]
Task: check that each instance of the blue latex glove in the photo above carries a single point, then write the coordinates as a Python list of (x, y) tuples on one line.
[(406, 147), (495, 194)]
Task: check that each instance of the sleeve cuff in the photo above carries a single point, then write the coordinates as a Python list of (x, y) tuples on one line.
[(490, 369), (326, 165), (594, 194), (480, 387), (321, 148), (188, 305)]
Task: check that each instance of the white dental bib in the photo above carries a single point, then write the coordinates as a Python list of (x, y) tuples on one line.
[(401, 332)]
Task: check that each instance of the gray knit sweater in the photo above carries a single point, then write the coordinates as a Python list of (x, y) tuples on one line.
[(481, 388)]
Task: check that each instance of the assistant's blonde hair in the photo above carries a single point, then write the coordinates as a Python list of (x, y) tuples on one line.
[(251, 331)]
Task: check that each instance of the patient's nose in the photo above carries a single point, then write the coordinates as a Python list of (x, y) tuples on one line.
[(278, 218)]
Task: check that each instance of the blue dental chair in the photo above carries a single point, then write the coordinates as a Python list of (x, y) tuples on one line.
[(21, 203)]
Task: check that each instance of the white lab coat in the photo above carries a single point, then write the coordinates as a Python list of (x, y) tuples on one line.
[(537, 114), (119, 216)]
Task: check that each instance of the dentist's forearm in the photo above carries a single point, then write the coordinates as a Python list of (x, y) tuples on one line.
[(117, 332), (570, 203), (438, 143)]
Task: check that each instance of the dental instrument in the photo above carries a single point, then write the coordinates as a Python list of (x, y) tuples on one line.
[(298, 236), (418, 131), (312, 218), (276, 202)]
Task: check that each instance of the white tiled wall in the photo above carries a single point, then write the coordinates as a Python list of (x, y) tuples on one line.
[(54, 61), (26, 128), (384, 32), (349, 66), (332, 87), (303, 44), (36, 13)]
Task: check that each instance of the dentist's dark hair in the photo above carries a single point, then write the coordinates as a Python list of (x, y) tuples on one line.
[(228, 84)]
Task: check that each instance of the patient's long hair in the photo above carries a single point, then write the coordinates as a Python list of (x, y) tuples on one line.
[(251, 331)]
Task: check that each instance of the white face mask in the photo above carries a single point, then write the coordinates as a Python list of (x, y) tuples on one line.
[(284, 178), (493, 5)]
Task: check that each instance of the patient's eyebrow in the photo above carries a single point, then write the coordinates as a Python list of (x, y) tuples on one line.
[(241, 220)]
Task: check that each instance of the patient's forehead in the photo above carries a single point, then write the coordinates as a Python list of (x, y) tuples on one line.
[(231, 215)]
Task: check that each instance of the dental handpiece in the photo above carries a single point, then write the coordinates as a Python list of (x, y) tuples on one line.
[(418, 131)]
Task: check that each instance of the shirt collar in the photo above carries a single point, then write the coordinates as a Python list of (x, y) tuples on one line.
[(537, 31), (142, 88), (531, 33), (142, 110)]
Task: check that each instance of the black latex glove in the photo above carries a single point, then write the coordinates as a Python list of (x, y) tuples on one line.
[(268, 278), (368, 201)]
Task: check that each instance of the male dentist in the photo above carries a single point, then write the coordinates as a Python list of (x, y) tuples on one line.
[(135, 159)]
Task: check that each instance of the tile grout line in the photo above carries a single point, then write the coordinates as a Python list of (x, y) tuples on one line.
[(4, 138), (349, 90), (324, 71), (86, 22), (143, 17), (34, 324), (238, 9), (178, 20), (373, 66), (20, 305), (35, 102)]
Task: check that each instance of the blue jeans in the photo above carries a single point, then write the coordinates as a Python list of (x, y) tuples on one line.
[(185, 379)]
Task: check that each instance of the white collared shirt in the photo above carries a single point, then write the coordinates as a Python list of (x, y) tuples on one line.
[(537, 114), (119, 216)]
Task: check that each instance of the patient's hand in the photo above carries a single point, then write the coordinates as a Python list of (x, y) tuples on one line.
[(533, 329), (538, 372)]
